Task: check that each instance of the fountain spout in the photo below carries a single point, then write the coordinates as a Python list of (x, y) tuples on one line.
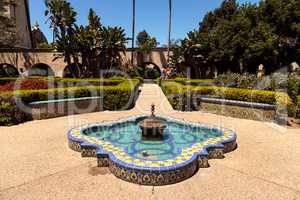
[(152, 127), (152, 110)]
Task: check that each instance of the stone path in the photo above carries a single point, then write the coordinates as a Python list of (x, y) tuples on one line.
[(35, 162), (152, 94)]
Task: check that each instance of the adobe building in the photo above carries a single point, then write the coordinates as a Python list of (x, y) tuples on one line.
[(24, 56), (19, 12)]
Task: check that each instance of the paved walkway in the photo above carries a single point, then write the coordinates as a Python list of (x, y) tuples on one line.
[(35, 162)]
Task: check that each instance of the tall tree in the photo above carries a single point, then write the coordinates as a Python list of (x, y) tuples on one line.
[(170, 29), (145, 43), (133, 31), (62, 18), (113, 45), (240, 37)]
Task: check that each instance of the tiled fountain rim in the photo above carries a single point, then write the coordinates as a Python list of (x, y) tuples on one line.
[(75, 135)]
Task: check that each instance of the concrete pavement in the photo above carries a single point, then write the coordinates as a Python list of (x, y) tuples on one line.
[(36, 163)]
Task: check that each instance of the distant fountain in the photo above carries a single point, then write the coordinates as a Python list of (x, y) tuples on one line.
[(152, 127)]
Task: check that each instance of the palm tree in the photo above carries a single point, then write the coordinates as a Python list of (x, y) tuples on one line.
[(133, 30), (62, 17), (113, 45), (170, 27)]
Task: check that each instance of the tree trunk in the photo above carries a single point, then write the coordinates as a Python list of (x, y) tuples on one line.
[(170, 27)]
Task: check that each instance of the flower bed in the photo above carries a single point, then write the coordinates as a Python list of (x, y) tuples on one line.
[(24, 85), (114, 97), (63, 82)]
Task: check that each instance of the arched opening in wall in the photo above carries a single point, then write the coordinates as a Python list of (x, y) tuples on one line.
[(71, 71), (40, 69), (149, 70), (8, 70)]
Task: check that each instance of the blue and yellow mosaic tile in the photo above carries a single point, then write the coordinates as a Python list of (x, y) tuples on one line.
[(119, 146)]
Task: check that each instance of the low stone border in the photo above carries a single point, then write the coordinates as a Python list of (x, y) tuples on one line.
[(65, 107), (238, 109), (238, 103), (148, 172)]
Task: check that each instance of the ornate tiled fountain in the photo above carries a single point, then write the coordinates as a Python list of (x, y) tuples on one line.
[(172, 151)]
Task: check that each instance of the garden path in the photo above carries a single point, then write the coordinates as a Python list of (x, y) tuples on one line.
[(36, 163), (152, 94)]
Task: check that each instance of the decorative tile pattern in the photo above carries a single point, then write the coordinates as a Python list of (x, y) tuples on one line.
[(151, 172)]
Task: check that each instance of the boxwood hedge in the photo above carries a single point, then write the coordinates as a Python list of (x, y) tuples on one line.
[(179, 94), (298, 108), (67, 82), (114, 97), (194, 82)]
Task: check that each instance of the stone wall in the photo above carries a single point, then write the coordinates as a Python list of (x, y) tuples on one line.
[(25, 59)]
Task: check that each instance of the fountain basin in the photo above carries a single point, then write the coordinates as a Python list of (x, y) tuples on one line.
[(183, 149), (152, 128)]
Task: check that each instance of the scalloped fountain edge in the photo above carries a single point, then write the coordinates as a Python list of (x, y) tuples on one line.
[(152, 172)]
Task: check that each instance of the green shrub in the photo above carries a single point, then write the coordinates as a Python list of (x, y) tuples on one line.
[(236, 80), (41, 95), (293, 86), (176, 91), (114, 98), (10, 114), (195, 82), (69, 82), (151, 73), (298, 108)]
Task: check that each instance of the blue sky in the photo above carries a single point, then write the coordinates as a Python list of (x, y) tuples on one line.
[(151, 15)]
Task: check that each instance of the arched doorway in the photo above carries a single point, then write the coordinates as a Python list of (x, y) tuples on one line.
[(71, 71), (40, 69), (8, 70), (150, 70)]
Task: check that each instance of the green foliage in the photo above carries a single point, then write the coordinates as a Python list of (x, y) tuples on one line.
[(195, 82), (151, 73), (176, 91), (113, 44), (117, 92), (62, 18), (278, 81), (99, 47), (68, 82), (44, 46), (126, 87), (298, 108), (293, 86), (132, 71), (240, 37), (10, 114), (145, 41), (94, 20), (236, 80)]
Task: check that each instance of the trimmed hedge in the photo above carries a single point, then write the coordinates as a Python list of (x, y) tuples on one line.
[(178, 95), (67, 82), (298, 108), (29, 96), (114, 97), (194, 82), (10, 114)]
